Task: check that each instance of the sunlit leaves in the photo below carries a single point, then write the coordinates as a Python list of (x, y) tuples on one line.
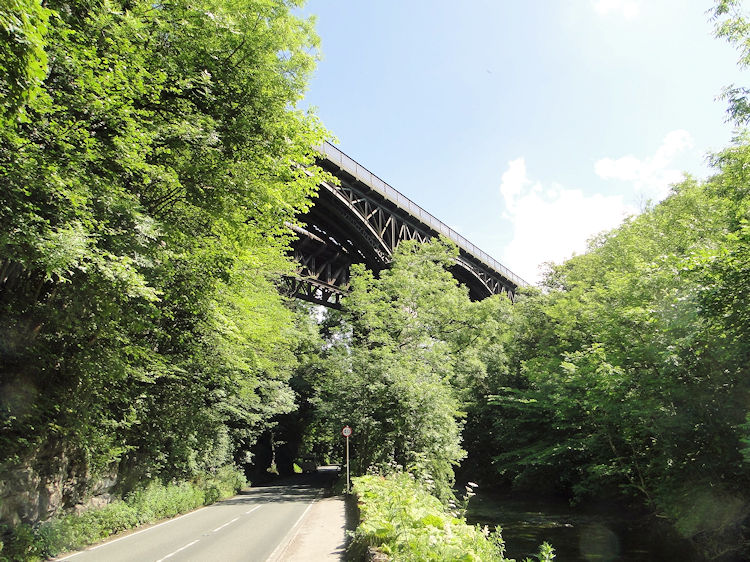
[(145, 204), (629, 370), (23, 60), (397, 360)]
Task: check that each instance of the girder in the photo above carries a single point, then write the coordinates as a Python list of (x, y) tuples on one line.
[(362, 220)]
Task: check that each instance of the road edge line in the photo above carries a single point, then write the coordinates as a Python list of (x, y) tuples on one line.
[(138, 532), (293, 532)]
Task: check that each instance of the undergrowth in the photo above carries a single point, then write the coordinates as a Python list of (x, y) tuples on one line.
[(142, 506), (403, 520)]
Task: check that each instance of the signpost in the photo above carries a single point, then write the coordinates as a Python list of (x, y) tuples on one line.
[(346, 432)]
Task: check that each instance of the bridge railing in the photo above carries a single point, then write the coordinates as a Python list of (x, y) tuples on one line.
[(375, 183)]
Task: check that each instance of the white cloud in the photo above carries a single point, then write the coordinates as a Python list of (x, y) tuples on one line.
[(629, 9), (513, 181), (551, 223), (652, 176)]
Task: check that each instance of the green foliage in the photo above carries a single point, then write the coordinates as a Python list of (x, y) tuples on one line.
[(628, 373), (405, 348), (732, 24), (142, 506), (23, 60), (145, 205), (402, 519)]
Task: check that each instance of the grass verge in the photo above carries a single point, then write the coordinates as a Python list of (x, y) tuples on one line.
[(142, 506)]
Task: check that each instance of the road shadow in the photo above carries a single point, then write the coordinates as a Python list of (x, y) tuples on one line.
[(300, 487), (352, 521)]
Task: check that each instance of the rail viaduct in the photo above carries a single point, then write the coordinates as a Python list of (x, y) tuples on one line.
[(362, 220)]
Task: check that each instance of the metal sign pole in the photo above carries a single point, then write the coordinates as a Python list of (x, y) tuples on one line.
[(347, 464), (346, 432)]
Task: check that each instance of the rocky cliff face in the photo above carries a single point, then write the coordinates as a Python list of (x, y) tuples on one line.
[(48, 484)]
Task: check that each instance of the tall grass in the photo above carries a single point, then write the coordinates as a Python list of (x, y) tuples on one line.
[(142, 506), (403, 520)]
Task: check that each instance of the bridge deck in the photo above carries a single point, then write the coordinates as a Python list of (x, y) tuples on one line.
[(335, 156)]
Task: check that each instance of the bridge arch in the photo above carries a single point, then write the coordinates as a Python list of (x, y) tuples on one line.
[(362, 220)]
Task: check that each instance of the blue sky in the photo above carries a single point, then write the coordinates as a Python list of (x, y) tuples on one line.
[(528, 127)]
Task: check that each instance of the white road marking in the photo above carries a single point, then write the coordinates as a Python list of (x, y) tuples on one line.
[(284, 544), (253, 509), (178, 550), (70, 556), (143, 530), (224, 525), (128, 536)]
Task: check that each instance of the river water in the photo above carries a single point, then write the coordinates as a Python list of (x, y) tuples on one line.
[(602, 533)]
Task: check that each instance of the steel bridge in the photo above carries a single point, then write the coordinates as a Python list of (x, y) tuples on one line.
[(362, 220)]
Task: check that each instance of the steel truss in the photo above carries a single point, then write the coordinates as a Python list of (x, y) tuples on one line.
[(353, 222)]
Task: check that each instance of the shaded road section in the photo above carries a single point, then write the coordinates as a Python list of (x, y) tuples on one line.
[(249, 526)]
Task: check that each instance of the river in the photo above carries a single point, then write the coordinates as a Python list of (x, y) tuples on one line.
[(601, 533)]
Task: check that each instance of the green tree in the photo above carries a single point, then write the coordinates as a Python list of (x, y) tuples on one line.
[(23, 60), (732, 24), (395, 364), (627, 374), (145, 205)]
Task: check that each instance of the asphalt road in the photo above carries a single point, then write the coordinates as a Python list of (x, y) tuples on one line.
[(250, 526)]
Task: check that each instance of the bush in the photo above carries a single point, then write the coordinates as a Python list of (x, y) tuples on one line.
[(144, 505), (404, 521)]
